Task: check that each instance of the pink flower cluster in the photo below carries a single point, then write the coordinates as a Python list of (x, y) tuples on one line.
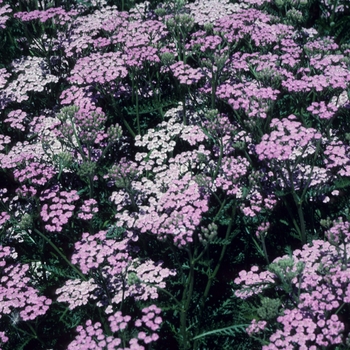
[(4, 140), (92, 251), (338, 157), (319, 276), (45, 15), (322, 110), (290, 141), (16, 118), (256, 327), (205, 42), (3, 17), (35, 173), (176, 213), (16, 294), (116, 275), (169, 204), (262, 229), (231, 171), (88, 209), (110, 66), (252, 282), (92, 335), (339, 233), (185, 74), (151, 318), (60, 209), (248, 96), (4, 217), (76, 293)]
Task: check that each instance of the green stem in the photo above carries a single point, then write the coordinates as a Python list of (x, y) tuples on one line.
[(297, 228), (213, 89), (128, 127), (61, 254), (302, 223), (218, 166), (212, 276), (333, 12), (185, 303), (263, 243), (91, 186), (32, 335), (345, 264), (135, 95), (184, 117), (339, 308), (117, 110), (137, 113), (77, 139), (165, 292)]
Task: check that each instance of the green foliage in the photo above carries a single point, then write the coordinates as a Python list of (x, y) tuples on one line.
[(340, 30), (269, 308), (227, 331), (286, 271)]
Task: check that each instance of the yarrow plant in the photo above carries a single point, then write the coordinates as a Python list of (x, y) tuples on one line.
[(155, 156), (18, 297), (312, 286)]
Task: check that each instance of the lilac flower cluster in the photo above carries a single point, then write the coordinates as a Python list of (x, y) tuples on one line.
[(86, 30), (320, 280), (208, 11), (290, 141), (89, 255), (99, 68), (262, 229), (122, 275), (34, 172), (33, 75), (4, 9), (333, 76), (92, 335), (252, 282), (4, 140), (322, 110), (282, 95), (4, 217), (249, 97), (76, 293), (60, 209), (185, 74), (256, 327), (338, 157), (88, 209), (16, 294), (16, 118), (45, 15), (174, 213), (232, 170), (339, 233), (81, 97)]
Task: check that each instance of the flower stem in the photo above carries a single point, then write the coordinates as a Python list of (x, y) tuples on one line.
[(61, 254)]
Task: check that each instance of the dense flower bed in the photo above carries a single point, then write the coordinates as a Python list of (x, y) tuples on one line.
[(174, 175)]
